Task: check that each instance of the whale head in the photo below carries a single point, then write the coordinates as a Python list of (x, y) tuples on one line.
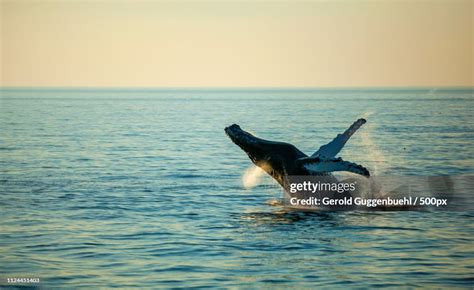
[(247, 142), (275, 158)]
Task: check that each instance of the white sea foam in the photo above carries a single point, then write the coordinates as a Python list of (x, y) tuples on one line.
[(252, 176), (377, 159)]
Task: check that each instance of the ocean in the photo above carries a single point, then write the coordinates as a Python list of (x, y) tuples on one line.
[(142, 188)]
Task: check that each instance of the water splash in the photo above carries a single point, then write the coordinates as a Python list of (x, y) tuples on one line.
[(375, 156), (252, 176), (366, 115)]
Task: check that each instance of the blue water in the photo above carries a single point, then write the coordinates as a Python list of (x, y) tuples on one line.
[(141, 188)]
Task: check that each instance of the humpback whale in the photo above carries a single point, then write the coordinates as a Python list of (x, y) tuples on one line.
[(281, 160)]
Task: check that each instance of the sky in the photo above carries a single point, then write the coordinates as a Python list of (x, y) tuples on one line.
[(105, 43)]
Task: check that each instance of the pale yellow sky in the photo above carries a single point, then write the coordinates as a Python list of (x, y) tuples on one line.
[(237, 44)]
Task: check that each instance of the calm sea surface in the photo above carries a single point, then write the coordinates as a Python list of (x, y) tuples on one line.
[(142, 188)]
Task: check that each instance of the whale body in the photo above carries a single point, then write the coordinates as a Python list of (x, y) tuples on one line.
[(281, 160)]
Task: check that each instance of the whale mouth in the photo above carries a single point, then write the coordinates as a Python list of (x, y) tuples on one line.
[(240, 137), (234, 132)]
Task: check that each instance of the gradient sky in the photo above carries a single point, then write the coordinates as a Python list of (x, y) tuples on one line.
[(237, 44)]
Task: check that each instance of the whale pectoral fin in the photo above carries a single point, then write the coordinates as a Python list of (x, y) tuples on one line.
[(318, 165), (331, 149)]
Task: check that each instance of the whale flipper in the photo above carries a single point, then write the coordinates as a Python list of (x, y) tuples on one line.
[(331, 149), (318, 165)]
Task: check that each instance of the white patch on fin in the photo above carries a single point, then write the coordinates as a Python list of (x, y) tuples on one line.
[(318, 165), (331, 149)]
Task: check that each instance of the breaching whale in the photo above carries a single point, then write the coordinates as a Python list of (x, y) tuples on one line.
[(281, 160)]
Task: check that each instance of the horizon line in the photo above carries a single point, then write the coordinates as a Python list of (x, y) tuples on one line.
[(263, 88)]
